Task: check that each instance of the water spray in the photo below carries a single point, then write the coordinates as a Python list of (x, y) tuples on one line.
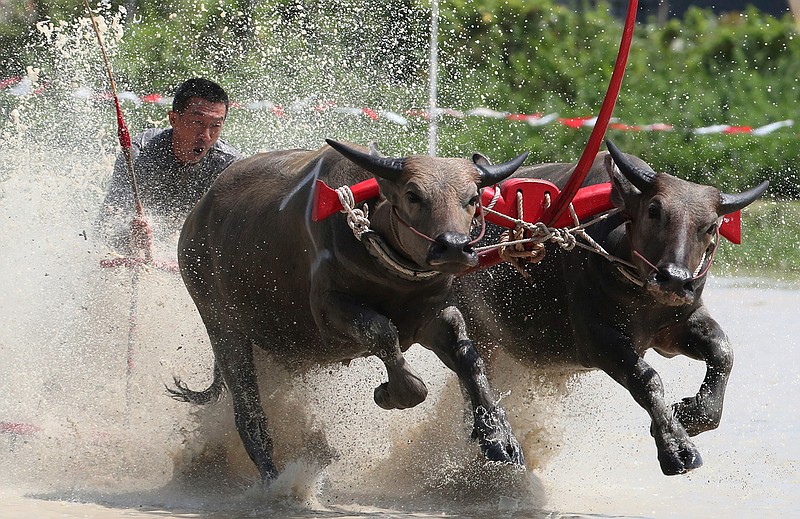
[(133, 263), (433, 110), (122, 129)]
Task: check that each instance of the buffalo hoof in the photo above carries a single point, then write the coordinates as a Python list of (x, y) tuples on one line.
[(413, 395), (680, 460), (676, 452), (694, 417), (495, 437)]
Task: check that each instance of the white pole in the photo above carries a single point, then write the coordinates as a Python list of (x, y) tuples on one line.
[(795, 6), (434, 72)]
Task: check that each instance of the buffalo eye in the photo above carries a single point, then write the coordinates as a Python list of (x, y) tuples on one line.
[(712, 229), (473, 201), (654, 211), (413, 198)]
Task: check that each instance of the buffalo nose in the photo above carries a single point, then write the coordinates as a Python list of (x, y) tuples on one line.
[(454, 241), (451, 247), (674, 278)]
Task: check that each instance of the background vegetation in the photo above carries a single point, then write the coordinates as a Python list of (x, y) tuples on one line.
[(518, 56)]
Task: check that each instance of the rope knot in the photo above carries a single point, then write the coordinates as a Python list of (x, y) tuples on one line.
[(564, 238), (357, 218)]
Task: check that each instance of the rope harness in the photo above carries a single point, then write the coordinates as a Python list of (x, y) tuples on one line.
[(523, 244), (358, 221)]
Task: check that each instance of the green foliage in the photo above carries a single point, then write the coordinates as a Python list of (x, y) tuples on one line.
[(770, 235), (531, 56)]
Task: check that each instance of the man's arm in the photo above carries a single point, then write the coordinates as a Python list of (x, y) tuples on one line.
[(118, 209)]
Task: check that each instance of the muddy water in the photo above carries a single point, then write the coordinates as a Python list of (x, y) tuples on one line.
[(88, 434)]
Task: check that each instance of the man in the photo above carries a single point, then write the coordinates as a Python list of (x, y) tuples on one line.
[(174, 167)]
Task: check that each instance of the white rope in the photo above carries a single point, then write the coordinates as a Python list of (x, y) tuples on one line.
[(357, 219), (494, 199), (564, 237)]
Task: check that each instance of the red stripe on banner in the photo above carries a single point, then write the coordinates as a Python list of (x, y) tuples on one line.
[(626, 127), (573, 122), (152, 98), (522, 117), (738, 129), (321, 106), (369, 112), (5, 83), (414, 112)]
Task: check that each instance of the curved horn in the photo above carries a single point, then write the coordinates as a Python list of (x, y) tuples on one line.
[(384, 167), (493, 173), (731, 203), (641, 178)]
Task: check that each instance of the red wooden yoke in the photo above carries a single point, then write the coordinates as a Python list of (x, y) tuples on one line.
[(588, 202)]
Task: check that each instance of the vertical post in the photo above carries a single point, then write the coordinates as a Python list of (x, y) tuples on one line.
[(795, 7), (433, 110)]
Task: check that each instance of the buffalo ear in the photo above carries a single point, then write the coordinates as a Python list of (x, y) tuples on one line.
[(621, 188), (384, 167), (481, 160), (731, 203)]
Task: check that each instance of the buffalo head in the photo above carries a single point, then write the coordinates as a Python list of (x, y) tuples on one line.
[(672, 224), (432, 202)]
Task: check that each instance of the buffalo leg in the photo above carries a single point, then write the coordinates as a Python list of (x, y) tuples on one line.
[(676, 452), (234, 356), (345, 320), (706, 342), (447, 337)]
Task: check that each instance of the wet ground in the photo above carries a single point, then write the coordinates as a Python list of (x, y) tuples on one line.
[(121, 448)]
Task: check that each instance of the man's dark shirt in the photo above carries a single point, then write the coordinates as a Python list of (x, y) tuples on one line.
[(166, 187)]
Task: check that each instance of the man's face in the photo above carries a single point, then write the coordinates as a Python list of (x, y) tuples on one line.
[(196, 129)]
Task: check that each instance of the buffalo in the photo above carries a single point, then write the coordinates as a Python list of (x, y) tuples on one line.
[(263, 274), (580, 310)]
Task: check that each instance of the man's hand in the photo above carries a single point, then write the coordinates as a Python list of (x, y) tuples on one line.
[(141, 236)]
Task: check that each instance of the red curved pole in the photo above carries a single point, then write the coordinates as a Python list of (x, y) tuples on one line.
[(559, 207)]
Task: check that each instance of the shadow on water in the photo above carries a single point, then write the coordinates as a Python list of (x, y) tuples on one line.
[(216, 503)]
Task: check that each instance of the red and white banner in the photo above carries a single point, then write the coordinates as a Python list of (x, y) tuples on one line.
[(16, 86)]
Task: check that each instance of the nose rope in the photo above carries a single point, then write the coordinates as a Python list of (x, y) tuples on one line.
[(702, 268), (479, 212), (410, 227), (636, 253), (426, 237)]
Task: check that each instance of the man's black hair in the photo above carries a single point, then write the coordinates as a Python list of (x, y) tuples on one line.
[(198, 87)]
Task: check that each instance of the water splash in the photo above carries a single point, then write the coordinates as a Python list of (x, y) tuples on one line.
[(110, 436)]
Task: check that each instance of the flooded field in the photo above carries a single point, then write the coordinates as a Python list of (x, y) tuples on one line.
[(86, 434)]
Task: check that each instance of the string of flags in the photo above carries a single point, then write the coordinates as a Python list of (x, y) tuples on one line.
[(17, 86)]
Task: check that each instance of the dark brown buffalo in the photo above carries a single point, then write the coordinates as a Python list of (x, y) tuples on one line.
[(580, 310), (261, 273)]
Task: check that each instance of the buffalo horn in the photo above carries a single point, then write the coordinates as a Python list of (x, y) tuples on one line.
[(639, 177), (385, 167), (491, 174), (731, 203)]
